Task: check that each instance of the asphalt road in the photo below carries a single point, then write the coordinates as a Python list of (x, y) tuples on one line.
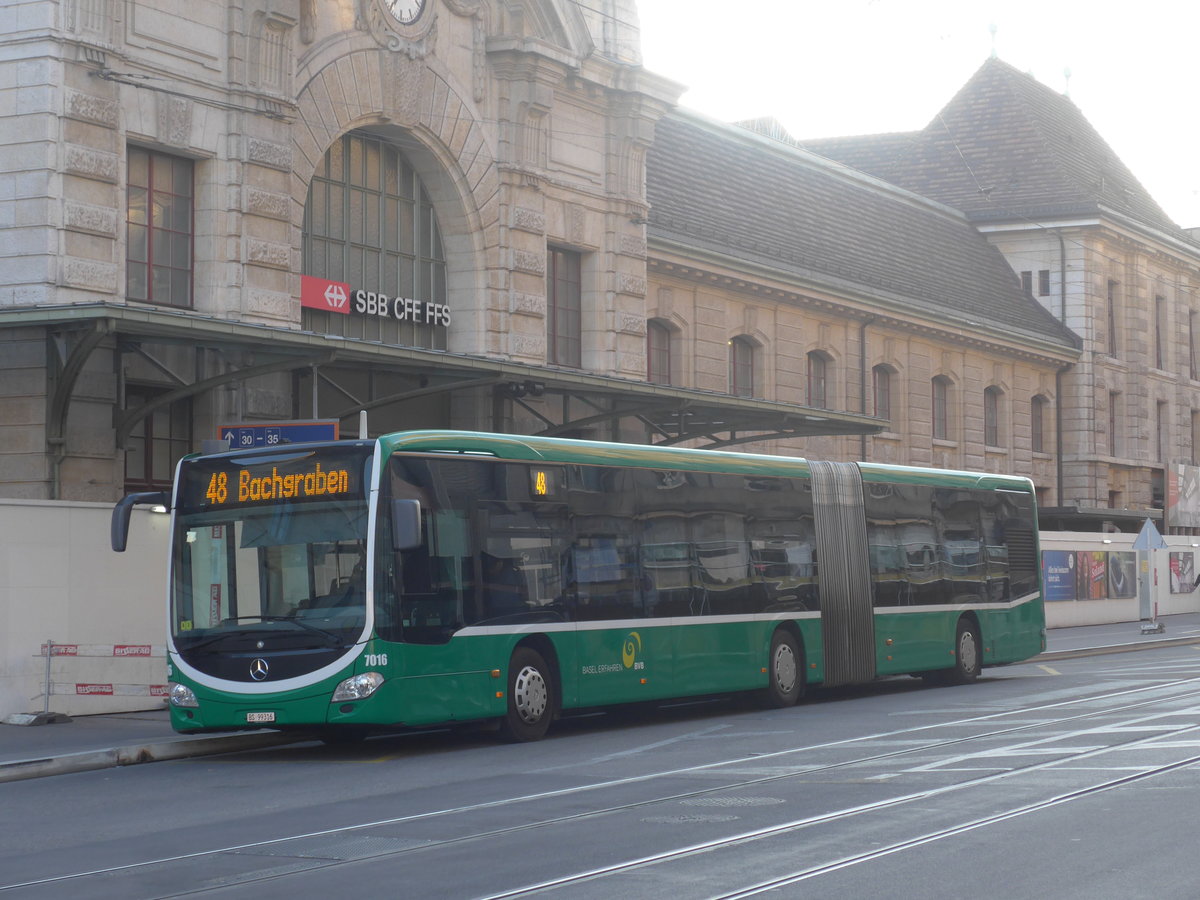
[(1067, 778)]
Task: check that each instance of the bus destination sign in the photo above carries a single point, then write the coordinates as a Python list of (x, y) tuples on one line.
[(301, 478)]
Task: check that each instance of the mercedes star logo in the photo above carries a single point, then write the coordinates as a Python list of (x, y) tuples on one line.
[(258, 669)]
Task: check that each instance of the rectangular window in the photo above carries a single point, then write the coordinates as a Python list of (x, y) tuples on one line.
[(564, 309), (741, 367), (1114, 442), (1037, 425), (883, 392), (157, 442), (1161, 432), (941, 424), (817, 398), (658, 353), (991, 417), (159, 228), (1193, 372), (1160, 333), (1112, 317), (1043, 282), (1027, 282)]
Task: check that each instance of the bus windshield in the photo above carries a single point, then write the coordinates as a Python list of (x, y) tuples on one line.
[(272, 543)]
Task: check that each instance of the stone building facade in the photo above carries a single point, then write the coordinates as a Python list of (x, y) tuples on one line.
[(557, 251)]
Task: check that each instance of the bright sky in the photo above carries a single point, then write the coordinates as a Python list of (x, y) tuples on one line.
[(843, 67)]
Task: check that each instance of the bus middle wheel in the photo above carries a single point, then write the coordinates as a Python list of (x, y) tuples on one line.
[(785, 671)]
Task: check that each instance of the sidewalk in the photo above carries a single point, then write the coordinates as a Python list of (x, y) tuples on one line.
[(88, 743)]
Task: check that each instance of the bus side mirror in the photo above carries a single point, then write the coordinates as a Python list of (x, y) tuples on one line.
[(119, 529), (406, 524)]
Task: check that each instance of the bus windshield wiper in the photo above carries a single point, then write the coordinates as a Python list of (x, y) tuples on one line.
[(330, 638)]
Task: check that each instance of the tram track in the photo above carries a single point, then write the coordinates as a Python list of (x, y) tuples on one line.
[(891, 803), (1052, 724)]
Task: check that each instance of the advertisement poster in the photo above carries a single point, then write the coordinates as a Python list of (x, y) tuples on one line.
[(1058, 570), (1122, 574), (1183, 576), (1183, 496), (1091, 574)]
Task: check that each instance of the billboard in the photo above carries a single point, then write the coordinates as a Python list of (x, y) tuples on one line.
[(1183, 496)]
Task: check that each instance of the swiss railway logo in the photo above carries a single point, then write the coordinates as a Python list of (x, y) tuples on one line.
[(319, 293)]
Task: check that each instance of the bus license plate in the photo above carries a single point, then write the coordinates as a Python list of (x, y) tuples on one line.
[(260, 717)]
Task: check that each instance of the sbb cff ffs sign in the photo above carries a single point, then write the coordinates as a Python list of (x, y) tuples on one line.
[(338, 297)]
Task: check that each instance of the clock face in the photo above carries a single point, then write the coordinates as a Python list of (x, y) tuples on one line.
[(405, 11)]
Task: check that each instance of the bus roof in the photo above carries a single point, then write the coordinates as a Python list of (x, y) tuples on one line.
[(564, 450)]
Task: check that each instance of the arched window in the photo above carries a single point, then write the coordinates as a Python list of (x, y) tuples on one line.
[(658, 352), (818, 370), (992, 403), (741, 367), (1037, 424), (881, 390), (940, 387), (369, 223)]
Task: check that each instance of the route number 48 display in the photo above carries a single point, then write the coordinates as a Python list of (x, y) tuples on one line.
[(218, 488)]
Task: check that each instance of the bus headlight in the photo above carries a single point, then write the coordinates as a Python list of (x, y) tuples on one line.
[(181, 695), (357, 687)]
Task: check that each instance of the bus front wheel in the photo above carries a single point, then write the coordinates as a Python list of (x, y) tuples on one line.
[(785, 671), (530, 697)]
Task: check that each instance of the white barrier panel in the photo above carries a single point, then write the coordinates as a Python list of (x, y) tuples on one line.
[(64, 653)]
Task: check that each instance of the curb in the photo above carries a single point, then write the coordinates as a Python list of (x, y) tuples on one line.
[(159, 751), (1114, 648)]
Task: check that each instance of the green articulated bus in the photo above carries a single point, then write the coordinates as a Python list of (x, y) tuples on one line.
[(434, 577)]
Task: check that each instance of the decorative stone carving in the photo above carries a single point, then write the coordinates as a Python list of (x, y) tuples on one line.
[(529, 220), (628, 323), (94, 219), (631, 284), (268, 153), (91, 163), (576, 222), (632, 245), (271, 56), (174, 120), (403, 88), (266, 253), (268, 204), (86, 108), (415, 42), (521, 304), (89, 274), (529, 261)]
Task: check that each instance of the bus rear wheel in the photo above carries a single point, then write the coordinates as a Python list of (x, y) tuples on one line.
[(968, 660), (785, 671), (530, 697)]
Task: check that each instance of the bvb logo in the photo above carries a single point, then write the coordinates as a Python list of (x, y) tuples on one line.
[(631, 648)]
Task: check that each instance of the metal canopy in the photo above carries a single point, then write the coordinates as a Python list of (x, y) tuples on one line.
[(672, 415)]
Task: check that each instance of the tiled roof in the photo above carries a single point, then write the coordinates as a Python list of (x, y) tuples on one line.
[(721, 189), (1006, 146)]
